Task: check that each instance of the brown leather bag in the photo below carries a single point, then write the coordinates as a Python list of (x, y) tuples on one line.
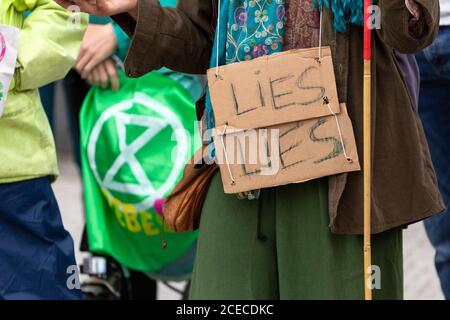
[(183, 207)]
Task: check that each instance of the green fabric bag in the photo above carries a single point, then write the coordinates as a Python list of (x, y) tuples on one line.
[(128, 141)]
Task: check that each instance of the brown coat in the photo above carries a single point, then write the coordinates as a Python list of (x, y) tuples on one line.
[(404, 182)]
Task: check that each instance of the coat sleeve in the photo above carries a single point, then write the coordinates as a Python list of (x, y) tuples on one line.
[(396, 30), (49, 42), (177, 38)]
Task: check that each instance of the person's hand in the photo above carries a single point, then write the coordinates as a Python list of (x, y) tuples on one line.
[(105, 75), (99, 43), (416, 24), (102, 7), (414, 8)]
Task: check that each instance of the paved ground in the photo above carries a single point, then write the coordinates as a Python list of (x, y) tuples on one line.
[(421, 281)]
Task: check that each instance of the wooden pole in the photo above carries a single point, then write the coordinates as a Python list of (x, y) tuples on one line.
[(367, 115)]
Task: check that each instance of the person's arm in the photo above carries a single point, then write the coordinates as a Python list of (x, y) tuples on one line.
[(48, 45), (177, 38), (402, 30)]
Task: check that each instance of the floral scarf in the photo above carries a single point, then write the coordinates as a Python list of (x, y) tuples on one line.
[(248, 29)]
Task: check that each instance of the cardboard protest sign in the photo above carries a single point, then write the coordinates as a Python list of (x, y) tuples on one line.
[(9, 44), (270, 90), (284, 154)]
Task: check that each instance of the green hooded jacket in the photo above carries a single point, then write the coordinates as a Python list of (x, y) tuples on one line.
[(50, 38)]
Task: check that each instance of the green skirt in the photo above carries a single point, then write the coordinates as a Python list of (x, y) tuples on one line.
[(280, 247)]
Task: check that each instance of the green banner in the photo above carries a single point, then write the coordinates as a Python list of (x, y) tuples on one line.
[(135, 144)]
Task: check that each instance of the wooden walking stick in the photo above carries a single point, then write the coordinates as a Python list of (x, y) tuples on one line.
[(367, 151)]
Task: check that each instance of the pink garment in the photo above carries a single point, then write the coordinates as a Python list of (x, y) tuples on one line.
[(158, 206), (302, 25)]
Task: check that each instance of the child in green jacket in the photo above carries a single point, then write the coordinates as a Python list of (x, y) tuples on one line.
[(36, 253)]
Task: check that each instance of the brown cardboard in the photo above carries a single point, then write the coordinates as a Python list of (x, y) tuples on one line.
[(276, 89), (306, 148)]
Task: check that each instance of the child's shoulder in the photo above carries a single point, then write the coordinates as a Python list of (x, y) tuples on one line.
[(26, 6)]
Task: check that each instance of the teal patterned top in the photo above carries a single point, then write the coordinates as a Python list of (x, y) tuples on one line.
[(255, 28)]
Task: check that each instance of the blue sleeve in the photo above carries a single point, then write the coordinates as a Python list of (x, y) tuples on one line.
[(123, 42), (168, 3)]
